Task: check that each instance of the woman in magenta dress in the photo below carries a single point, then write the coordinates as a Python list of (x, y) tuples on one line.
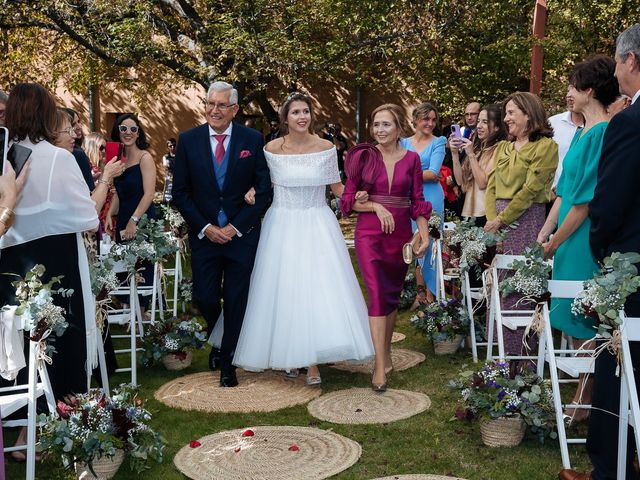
[(393, 178)]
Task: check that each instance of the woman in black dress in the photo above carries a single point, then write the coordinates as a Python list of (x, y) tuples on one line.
[(54, 209)]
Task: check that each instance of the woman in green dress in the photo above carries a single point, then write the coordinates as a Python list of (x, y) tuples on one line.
[(592, 87)]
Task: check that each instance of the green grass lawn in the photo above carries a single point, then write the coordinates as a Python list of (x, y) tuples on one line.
[(430, 442)]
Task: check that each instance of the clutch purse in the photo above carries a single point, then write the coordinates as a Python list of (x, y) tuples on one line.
[(409, 249)]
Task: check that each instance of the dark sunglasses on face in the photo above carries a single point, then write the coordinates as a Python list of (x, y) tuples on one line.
[(125, 128)]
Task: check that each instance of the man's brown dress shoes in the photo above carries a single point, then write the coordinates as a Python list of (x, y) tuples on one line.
[(568, 474)]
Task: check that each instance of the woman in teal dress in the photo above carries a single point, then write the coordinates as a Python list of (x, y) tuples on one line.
[(430, 148), (592, 86)]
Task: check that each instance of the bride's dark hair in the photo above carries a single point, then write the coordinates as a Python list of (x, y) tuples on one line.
[(286, 106)]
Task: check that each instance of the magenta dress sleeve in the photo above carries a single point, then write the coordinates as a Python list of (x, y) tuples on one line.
[(348, 196), (419, 207)]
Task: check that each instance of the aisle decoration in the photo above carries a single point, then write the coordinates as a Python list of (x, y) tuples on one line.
[(531, 277), (444, 321), (96, 432), (505, 397), (175, 221), (409, 291), (606, 293), (172, 340), (40, 316), (435, 224), (474, 246)]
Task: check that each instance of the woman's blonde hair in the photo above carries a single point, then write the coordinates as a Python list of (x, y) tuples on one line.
[(91, 146), (399, 117)]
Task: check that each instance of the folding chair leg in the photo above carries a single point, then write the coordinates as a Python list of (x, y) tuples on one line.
[(102, 361), (623, 427), (472, 327), (490, 327), (31, 413)]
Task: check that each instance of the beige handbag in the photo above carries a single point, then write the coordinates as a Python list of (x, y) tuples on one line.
[(410, 249)]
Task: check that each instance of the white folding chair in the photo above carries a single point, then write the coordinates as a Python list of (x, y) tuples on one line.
[(629, 404), (130, 315), (572, 362), (440, 275), (497, 317), (177, 275), (471, 294), (15, 397)]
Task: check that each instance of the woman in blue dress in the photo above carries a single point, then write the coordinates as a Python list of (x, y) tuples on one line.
[(430, 148), (135, 188)]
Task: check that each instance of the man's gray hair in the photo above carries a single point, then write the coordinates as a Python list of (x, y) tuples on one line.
[(224, 87), (629, 42), (3, 97)]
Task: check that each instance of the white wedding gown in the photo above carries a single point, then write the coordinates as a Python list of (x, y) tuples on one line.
[(305, 305)]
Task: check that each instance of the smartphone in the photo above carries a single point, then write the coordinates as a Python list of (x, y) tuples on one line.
[(114, 149), (4, 143), (18, 156), (455, 131)]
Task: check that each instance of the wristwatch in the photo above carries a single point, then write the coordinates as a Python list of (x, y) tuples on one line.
[(135, 219)]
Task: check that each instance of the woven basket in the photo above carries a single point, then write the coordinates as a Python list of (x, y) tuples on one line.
[(172, 362), (105, 467), (503, 432), (447, 347)]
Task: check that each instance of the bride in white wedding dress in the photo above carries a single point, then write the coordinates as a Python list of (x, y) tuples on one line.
[(305, 305)]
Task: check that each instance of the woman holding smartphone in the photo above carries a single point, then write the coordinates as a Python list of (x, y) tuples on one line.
[(473, 174)]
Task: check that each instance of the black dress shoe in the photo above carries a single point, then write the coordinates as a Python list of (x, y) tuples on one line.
[(214, 358), (228, 377)]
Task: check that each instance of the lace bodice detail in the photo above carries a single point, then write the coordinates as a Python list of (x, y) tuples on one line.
[(299, 181)]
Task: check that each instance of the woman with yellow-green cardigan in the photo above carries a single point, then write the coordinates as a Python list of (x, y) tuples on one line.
[(520, 185)]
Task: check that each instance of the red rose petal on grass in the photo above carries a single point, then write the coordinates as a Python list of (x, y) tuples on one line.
[(194, 444), (237, 449), (294, 448), (248, 433)]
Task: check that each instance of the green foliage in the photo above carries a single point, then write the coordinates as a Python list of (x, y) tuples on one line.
[(606, 293), (531, 277), (441, 319), (174, 335), (502, 389), (447, 51)]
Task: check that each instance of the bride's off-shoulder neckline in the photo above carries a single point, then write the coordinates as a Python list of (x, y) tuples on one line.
[(329, 150)]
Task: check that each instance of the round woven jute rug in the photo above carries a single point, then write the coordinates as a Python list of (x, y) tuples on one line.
[(364, 406), (418, 476), (257, 392), (397, 337), (270, 453), (402, 359)]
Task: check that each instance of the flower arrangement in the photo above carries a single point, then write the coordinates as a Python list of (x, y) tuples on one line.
[(185, 288), (409, 291), (132, 253), (152, 231), (473, 244), (177, 225), (441, 320), (92, 426), (500, 390), (606, 293), (176, 336), (531, 277), (435, 223), (35, 304), (103, 278)]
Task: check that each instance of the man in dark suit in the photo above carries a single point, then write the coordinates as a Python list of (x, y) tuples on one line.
[(216, 164), (615, 227)]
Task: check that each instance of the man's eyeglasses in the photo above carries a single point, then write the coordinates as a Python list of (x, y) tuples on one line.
[(126, 128), (223, 107)]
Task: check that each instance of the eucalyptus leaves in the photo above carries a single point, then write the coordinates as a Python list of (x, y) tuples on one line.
[(531, 277), (606, 293), (473, 244), (35, 304)]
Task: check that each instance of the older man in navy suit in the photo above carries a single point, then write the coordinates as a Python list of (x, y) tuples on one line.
[(615, 227), (216, 164)]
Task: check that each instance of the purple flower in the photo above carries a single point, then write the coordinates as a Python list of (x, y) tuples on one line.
[(501, 394)]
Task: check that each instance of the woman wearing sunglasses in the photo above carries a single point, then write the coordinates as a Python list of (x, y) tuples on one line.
[(135, 188)]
